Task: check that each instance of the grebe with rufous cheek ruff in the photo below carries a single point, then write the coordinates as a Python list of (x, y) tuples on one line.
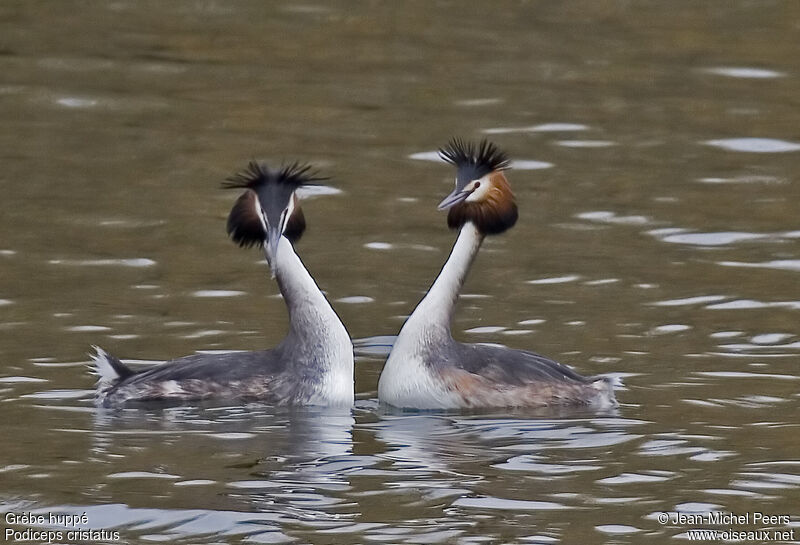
[(427, 368), (313, 365)]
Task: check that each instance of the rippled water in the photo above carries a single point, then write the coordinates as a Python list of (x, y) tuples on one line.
[(656, 153)]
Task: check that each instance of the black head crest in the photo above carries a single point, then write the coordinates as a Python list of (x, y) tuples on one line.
[(473, 162), (258, 174)]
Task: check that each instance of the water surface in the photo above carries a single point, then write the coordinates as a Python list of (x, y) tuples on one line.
[(655, 150)]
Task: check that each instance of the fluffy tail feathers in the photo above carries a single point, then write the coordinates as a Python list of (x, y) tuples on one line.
[(108, 368)]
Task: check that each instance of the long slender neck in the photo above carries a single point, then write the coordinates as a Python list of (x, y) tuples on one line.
[(311, 317), (436, 309)]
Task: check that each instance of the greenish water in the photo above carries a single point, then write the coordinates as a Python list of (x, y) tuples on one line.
[(656, 156)]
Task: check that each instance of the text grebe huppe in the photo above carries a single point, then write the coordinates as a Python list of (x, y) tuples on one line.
[(427, 368), (313, 365)]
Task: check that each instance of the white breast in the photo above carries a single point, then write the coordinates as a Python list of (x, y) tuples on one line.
[(407, 382), (335, 387)]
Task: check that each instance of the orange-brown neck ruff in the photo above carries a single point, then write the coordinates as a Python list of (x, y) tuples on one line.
[(295, 225), (246, 228), (494, 214), (267, 193)]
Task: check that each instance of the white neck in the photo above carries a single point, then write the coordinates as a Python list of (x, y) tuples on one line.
[(407, 379), (436, 308), (316, 334)]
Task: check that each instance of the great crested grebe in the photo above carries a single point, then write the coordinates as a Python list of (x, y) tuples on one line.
[(313, 365), (427, 368)]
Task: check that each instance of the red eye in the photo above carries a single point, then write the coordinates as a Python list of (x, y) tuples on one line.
[(476, 186)]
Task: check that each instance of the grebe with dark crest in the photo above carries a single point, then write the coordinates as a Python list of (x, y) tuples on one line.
[(427, 368), (313, 365)]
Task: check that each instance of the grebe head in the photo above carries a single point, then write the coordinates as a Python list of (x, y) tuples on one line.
[(269, 207), (482, 194)]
